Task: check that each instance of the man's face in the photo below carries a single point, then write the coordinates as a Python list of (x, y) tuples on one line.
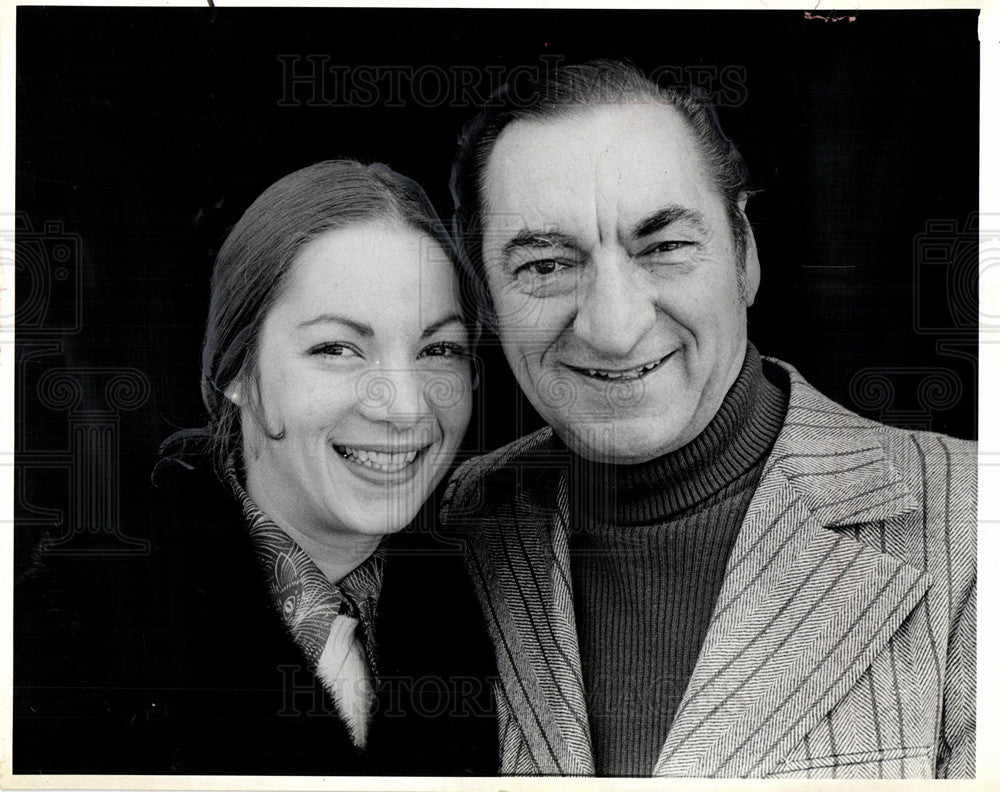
[(614, 276)]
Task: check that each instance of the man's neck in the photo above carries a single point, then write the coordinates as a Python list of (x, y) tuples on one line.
[(738, 438)]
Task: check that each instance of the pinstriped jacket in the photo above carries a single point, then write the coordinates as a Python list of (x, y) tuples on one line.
[(842, 643)]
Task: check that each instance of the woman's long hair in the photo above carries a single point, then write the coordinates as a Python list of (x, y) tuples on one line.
[(250, 271)]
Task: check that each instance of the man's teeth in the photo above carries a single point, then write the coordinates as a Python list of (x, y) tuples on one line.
[(626, 375), (377, 460)]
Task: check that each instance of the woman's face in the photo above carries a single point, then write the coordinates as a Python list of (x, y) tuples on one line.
[(363, 362)]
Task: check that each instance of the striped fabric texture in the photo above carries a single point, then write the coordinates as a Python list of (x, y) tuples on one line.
[(842, 644)]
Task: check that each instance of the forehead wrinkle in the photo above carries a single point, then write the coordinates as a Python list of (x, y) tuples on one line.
[(619, 162), (607, 198)]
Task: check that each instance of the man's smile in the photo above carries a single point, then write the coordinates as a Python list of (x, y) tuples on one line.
[(637, 372)]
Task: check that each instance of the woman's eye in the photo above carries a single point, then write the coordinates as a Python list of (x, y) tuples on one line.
[(444, 349), (335, 350)]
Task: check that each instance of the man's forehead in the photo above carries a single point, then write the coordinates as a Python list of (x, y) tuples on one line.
[(592, 162)]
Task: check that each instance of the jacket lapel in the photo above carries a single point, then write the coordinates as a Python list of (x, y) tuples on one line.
[(519, 560), (804, 608)]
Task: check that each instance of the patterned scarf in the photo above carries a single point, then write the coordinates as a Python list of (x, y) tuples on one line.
[(308, 602)]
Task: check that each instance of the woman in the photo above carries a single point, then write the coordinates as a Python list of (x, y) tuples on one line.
[(262, 635)]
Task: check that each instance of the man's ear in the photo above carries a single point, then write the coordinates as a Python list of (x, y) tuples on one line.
[(750, 280)]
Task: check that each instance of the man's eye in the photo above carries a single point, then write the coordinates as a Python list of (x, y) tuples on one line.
[(444, 349), (669, 246), (335, 350), (541, 267)]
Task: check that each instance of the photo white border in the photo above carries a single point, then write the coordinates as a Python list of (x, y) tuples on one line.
[(988, 679)]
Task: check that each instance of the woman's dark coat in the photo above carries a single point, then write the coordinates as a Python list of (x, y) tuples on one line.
[(175, 661)]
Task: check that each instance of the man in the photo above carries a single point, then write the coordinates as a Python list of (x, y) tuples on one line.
[(702, 567)]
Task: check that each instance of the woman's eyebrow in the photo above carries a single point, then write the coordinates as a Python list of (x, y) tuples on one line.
[(358, 327), (431, 329)]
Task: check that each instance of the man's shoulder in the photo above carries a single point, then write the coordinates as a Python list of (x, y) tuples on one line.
[(939, 469), (804, 399), (904, 491), (930, 463), (496, 471)]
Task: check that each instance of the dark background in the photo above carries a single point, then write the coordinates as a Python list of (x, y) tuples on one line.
[(143, 134)]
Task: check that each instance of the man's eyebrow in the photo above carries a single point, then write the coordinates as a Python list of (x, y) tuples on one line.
[(358, 327), (431, 329), (537, 239), (666, 216)]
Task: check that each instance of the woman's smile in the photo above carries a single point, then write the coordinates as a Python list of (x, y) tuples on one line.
[(365, 380), (382, 464)]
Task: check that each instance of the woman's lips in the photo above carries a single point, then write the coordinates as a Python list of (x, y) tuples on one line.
[(384, 461)]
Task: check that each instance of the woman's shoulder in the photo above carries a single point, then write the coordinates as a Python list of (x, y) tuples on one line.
[(120, 657), (187, 533)]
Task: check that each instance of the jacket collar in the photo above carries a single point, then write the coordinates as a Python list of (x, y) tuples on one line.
[(833, 460), (802, 611), (805, 606)]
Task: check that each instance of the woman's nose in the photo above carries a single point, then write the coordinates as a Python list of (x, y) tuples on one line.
[(393, 395)]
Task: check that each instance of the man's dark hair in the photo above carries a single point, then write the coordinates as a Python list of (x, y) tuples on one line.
[(562, 90)]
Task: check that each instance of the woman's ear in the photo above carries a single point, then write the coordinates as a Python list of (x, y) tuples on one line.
[(234, 394)]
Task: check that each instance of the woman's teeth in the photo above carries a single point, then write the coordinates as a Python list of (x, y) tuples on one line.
[(377, 460)]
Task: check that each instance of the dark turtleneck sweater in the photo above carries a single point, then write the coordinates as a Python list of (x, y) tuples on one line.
[(649, 545)]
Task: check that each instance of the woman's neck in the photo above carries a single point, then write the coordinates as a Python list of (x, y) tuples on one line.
[(335, 552), (336, 555)]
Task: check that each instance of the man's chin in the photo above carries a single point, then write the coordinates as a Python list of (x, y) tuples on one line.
[(609, 444)]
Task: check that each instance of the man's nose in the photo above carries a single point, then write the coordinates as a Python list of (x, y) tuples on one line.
[(614, 308)]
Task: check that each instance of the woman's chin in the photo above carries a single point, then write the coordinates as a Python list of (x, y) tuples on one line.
[(377, 525)]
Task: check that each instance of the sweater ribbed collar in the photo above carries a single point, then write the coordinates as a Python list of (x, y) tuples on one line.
[(736, 441)]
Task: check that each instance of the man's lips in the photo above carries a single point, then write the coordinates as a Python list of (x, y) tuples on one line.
[(628, 374)]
